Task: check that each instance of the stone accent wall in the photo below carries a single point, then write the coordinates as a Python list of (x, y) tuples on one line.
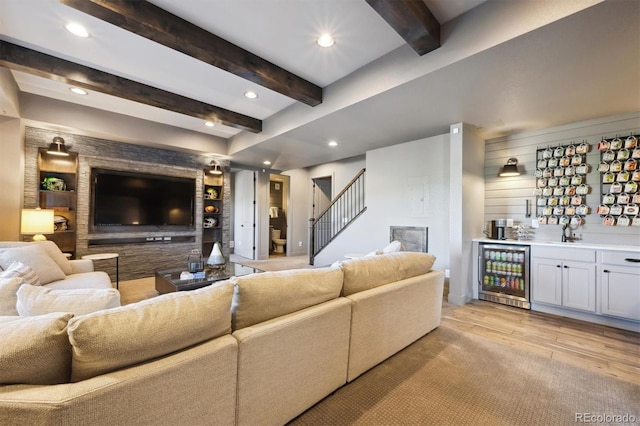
[(137, 260)]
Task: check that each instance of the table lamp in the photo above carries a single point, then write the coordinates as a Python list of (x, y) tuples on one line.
[(37, 222)]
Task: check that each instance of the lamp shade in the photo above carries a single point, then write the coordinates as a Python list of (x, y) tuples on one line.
[(37, 222), (510, 169)]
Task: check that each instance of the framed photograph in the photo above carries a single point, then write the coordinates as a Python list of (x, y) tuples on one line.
[(413, 238)]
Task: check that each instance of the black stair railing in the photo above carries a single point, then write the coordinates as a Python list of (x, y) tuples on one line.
[(343, 210)]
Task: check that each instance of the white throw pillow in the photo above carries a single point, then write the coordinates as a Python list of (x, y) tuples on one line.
[(37, 258), (8, 298), (34, 300), (393, 247), (56, 254), (20, 270)]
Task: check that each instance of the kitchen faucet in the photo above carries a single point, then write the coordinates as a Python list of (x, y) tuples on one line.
[(566, 237)]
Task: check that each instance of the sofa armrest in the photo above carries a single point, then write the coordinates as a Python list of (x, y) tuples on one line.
[(81, 265)]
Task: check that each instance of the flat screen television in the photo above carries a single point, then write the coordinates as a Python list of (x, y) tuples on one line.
[(140, 201)]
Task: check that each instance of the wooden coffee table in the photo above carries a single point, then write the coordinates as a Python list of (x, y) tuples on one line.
[(168, 280)]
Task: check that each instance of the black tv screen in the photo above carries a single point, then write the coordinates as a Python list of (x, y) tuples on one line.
[(141, 200)]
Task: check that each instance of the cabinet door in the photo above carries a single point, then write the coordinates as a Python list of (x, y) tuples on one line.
[(546, 285), (579, 285), (620, 292)]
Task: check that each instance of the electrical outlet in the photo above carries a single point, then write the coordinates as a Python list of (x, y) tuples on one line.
[(231, 244), (535, 223), (509, 223), (299, 243), (446, 273)]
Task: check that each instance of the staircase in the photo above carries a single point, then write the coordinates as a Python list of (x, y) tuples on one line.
[(343, 210)]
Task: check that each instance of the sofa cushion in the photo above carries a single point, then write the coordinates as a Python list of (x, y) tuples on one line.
[(22, 271), (35, 350), (8, 298), (36, 257), (97, 279), (36, 300), (260, 297), (369, 272), (117, 338)]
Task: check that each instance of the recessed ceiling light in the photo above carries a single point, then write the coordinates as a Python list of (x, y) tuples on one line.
[(325, 40), (209, 123), (250, 94), (266, 163), (77, 29), (332, 143), (79, 91)]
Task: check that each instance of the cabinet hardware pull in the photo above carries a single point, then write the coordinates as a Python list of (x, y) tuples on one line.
[(606, 271), (566, 267), (558, 266), (631, 259)]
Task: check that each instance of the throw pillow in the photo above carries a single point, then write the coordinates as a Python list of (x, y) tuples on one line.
[(117, 338), (36, 257), (20, 270), (35, 300), (8, 298), (56, 255), (35, 350), (261, 297), (393, 247)]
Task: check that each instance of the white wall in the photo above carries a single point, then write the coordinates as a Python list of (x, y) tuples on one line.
[(11, 176), (466, 188), (390, 172), (505, 197)]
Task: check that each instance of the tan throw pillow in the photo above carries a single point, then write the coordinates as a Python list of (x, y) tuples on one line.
[(36, 300), (35, 256), (35, 350), (260, 297), (8, 298), (369, 272), (117, 338), (22, 271)]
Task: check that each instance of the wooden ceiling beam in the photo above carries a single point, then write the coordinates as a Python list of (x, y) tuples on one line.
[(20, 58), (413, 20), (150, 21)]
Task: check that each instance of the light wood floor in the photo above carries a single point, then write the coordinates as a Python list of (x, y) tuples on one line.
[(594, 347)]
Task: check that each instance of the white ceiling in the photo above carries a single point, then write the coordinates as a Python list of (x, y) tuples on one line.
[(503, 67)]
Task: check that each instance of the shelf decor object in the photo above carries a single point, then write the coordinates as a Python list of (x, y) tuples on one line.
[(37, 222)]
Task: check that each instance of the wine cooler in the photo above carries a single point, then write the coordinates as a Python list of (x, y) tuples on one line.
[(503, 274)]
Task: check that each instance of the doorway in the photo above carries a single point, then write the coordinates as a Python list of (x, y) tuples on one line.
[(278, 215), (244, 214)]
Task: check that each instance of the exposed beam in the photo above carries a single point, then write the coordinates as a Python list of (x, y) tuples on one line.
[(413, 20), (149, 21), (23, 59)]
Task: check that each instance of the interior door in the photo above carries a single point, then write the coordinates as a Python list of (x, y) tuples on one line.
[(244, 220)]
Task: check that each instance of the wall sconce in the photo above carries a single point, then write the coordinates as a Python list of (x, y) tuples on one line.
[(37, 222), (215, 168), (510, 169), (57, 147)]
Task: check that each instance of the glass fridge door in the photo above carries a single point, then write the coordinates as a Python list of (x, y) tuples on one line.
[(504, 270)]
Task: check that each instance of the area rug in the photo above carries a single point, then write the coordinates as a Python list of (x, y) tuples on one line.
[(452, 378)]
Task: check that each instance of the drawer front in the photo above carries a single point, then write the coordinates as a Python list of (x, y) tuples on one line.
[(621, 258), (560, 253)]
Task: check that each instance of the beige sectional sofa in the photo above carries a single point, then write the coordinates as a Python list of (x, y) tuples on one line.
[(258, 349)]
